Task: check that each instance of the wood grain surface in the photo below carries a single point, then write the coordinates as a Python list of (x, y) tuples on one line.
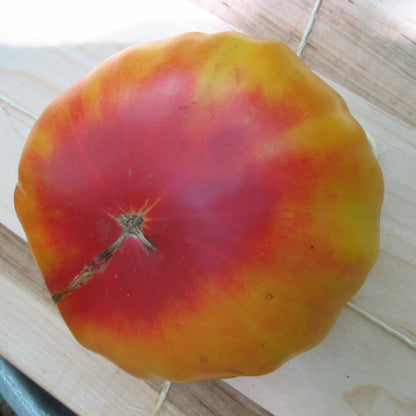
[(366, 49)]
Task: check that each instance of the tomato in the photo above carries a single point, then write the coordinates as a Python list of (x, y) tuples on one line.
[(200, 207)]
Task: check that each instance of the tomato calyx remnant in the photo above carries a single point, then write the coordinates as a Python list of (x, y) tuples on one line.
[(132, 225)]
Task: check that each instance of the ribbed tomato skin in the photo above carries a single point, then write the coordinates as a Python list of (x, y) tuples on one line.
[(257, 190)]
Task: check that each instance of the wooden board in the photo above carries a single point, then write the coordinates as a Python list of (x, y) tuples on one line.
[(367, 50)]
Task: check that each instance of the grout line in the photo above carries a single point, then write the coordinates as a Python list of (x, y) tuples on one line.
[(387, 328), (161, 398), (373, 145), (308, 28), (7, 102)]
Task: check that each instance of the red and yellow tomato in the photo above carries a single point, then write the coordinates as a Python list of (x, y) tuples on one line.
[(200, 207)]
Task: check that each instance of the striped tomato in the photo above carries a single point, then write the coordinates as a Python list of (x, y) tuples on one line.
[(200, 207)]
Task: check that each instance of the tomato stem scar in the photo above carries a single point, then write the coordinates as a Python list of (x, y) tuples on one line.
[(132, 224)]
